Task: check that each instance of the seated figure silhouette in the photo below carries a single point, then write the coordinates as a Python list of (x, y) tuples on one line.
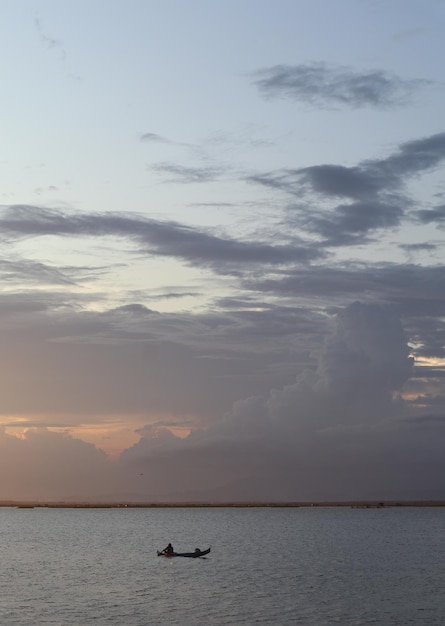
[(168, 550)]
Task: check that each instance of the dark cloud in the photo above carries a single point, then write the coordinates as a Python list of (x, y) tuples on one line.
[(133, 309), (195, 246), (241, 302), (320, 84), (341, 181), (374, 189), (422, 419), (418, 247), (133, 361), (172, 295), (431, 216), (388, 282), (417, 292), (413, 157), (427, 332), (353, 220), (370, 178)]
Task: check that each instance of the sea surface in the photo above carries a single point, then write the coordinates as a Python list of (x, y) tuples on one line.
[(310, 566)]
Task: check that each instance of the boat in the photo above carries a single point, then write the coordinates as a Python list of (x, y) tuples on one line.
[(193, 555)]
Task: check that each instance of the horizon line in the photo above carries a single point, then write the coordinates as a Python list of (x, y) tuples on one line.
[(228, 504)]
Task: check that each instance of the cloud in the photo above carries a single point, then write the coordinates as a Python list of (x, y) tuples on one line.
[(155, 237), (413, 157), (350, 222), (340, 205), (417, 293), (132, 364), (320, 84), (47, 466), (418, 247), (368, 179), (369, 346), (435, 215), (153, 138), (172, 295), (182, 174), (50, 42), (335, 433), (26, 271), (132, 309), (341, 181), (384, 282), (336, 430), (303, 397), (373, 191)]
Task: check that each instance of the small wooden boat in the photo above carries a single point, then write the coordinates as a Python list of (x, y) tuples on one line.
[(193, 555)]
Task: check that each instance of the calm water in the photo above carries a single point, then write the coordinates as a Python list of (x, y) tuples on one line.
[(310, 566)]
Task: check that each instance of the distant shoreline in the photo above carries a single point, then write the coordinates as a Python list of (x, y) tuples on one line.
[(355, 504)]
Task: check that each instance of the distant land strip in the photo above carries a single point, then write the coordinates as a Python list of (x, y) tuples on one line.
[(355, 504)]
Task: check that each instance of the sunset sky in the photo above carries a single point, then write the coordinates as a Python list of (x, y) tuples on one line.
[(222, 249)]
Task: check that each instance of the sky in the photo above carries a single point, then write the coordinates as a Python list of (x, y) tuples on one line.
[(222, 264)]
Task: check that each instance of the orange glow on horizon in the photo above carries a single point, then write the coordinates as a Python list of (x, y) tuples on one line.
[(423, 361), (180, 431), (111, 436)]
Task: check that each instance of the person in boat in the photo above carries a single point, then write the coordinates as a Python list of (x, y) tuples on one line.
[(168, 550)]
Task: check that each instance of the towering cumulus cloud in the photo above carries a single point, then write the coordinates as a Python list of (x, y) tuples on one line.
[(365, 362), (361, 371), (322, 437)]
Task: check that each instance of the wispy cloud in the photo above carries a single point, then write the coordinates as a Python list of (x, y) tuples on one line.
[(182, 174), (197, 247), (153, 138), (320, 84), (50, 42), (34, 272)]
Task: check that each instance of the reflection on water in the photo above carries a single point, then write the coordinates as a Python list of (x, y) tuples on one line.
[(318, 566)]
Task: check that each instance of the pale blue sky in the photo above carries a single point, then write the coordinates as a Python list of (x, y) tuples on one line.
[(193, 191), (83, 81)]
